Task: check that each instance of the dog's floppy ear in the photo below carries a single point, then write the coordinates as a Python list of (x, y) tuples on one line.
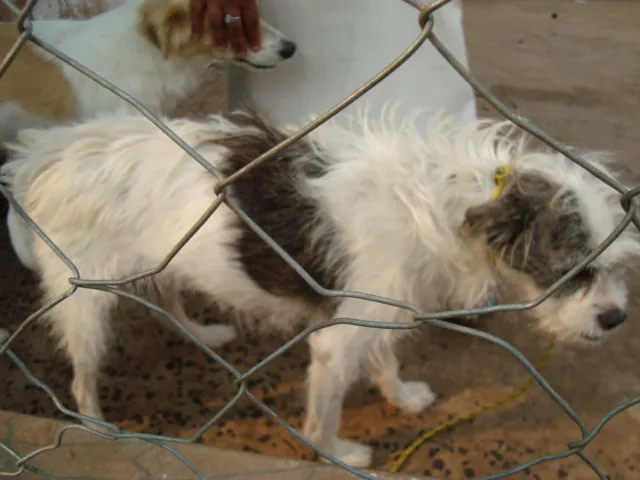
[(175, 17), (160, 24), (500, 221), (504, 220)]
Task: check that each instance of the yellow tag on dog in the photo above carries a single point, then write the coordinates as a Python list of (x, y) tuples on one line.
[(500, 178)]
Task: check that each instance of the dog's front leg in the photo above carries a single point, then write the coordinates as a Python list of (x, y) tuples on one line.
[(336, 356), (383, 367)]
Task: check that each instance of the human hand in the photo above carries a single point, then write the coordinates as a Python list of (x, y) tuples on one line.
[(234, 22)]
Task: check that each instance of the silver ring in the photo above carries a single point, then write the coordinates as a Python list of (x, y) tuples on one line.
[(231, 18)]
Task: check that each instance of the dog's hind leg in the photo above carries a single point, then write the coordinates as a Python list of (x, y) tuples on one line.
[(383, 367), (213, 336), (336, 356), (82, 324)]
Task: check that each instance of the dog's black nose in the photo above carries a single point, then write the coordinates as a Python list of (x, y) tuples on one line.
[(611, 318), (288, 49)]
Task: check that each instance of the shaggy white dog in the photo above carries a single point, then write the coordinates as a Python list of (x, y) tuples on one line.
[(379, 208)]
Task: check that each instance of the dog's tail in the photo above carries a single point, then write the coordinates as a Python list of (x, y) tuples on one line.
[(13, 119)]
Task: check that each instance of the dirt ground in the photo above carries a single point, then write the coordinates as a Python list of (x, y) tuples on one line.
[(573, 68)]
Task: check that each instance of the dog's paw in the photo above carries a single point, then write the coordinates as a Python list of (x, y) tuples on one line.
[(352, 453), (215, 336), (414, 397)]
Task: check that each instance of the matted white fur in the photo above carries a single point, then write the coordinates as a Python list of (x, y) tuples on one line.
[(115, 195)]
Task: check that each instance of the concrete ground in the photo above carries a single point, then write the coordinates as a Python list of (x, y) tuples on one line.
[(82, 455), (573, 68)]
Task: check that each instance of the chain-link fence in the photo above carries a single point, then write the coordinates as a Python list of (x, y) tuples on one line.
[(426, 21)]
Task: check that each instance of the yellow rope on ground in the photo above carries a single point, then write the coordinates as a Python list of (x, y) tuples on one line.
[(513, 395)]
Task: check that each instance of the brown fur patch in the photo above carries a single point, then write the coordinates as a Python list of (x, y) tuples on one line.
[(270, 195), (167, 25), (36, 84)]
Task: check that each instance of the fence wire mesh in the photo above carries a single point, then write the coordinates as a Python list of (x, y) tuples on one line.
[(426, 21)]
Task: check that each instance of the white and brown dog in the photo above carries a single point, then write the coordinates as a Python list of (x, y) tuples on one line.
[(144, 47), (382, 209)]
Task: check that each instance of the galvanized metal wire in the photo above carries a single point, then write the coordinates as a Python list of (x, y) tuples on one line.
[(426, 21)]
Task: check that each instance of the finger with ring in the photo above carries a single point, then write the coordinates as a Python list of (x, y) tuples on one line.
[(231, 18)]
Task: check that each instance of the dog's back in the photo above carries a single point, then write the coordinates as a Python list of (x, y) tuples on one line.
[(119, 167)]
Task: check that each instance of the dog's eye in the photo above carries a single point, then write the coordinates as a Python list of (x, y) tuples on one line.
[(583, 280), (585, 276)]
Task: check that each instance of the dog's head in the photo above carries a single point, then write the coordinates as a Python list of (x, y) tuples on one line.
[(550, 215), (167, 25)]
